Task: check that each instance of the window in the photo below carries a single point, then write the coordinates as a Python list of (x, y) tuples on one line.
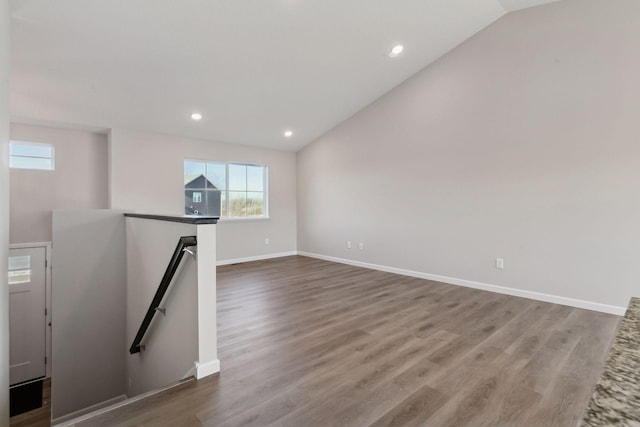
[(31, 155), (19, 269), (232, 190), (246, 190)]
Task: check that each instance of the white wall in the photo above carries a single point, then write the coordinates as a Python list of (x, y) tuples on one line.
[(5, 65), (89, 296), (522, 143), (172, 340), (208, 362), (78, 182), (146, 175)]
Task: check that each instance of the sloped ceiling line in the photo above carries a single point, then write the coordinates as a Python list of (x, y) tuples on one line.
[(253, 69)]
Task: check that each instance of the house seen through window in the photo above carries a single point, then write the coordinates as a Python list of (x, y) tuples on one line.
[(233, 190)]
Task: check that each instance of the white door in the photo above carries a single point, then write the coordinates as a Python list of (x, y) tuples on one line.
[(27, 319)]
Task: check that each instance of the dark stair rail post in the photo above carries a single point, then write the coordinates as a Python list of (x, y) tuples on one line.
[(183, 243)]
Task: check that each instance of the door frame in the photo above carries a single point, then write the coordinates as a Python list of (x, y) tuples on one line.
[(47, 292)]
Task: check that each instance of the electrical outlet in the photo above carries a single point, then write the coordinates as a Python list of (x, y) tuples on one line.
[(499, 263), (361, 246), (266, 241), (348, 244)]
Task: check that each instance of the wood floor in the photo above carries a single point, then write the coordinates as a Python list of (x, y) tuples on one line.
[(305, 342)]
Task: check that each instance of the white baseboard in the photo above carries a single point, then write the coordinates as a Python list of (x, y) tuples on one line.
[(88, 412), (538, 296), (255, 258), (208, 368), (66, 421)]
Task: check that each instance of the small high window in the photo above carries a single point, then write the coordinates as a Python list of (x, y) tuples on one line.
[(31, 155)]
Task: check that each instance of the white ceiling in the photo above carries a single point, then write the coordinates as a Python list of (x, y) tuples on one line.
[(253, 68)]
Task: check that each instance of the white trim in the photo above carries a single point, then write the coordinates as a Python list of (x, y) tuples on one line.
[(90, 411), (227, 219), (49, 307), (257, 258), (538, 296), (66, 422), (206, 369)]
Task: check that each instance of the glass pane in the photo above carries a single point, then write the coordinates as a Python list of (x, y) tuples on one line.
[(19, 276), (237, 203), (30, 163), (202, 202), (19, 269), (189, 206), (216, 174), (255, 204), (223, 203), (255, 178), (211, 205), (192, 170), (19, 262), (31, 150), (237, 177)]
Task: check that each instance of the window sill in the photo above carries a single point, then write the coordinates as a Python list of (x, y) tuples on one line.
[(249, 219)]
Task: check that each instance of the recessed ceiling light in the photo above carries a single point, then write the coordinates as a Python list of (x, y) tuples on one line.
[(196, 116), (288, 133), (397, 50)]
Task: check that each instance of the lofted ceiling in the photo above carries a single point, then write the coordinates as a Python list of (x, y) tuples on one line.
[(252, 68)]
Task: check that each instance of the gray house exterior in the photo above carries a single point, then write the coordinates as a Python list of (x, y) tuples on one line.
[(201, 197)]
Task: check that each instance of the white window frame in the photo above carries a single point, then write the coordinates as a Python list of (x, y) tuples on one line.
[(40, 144), (265, 179)]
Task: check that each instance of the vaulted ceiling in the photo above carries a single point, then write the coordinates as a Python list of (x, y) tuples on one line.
[(252, 68)]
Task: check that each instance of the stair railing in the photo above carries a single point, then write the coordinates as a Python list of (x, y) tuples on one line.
[(184, 243)]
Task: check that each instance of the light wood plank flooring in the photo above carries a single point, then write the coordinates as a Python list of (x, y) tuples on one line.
[(305, 342)]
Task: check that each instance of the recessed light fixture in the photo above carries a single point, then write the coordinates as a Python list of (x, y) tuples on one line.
[(288, 133), (196, 116), (396, 50)]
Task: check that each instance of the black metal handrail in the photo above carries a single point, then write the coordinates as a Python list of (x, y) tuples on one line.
[(184, 243)]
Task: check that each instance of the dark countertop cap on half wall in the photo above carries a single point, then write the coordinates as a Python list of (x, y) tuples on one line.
[(186, 219)]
